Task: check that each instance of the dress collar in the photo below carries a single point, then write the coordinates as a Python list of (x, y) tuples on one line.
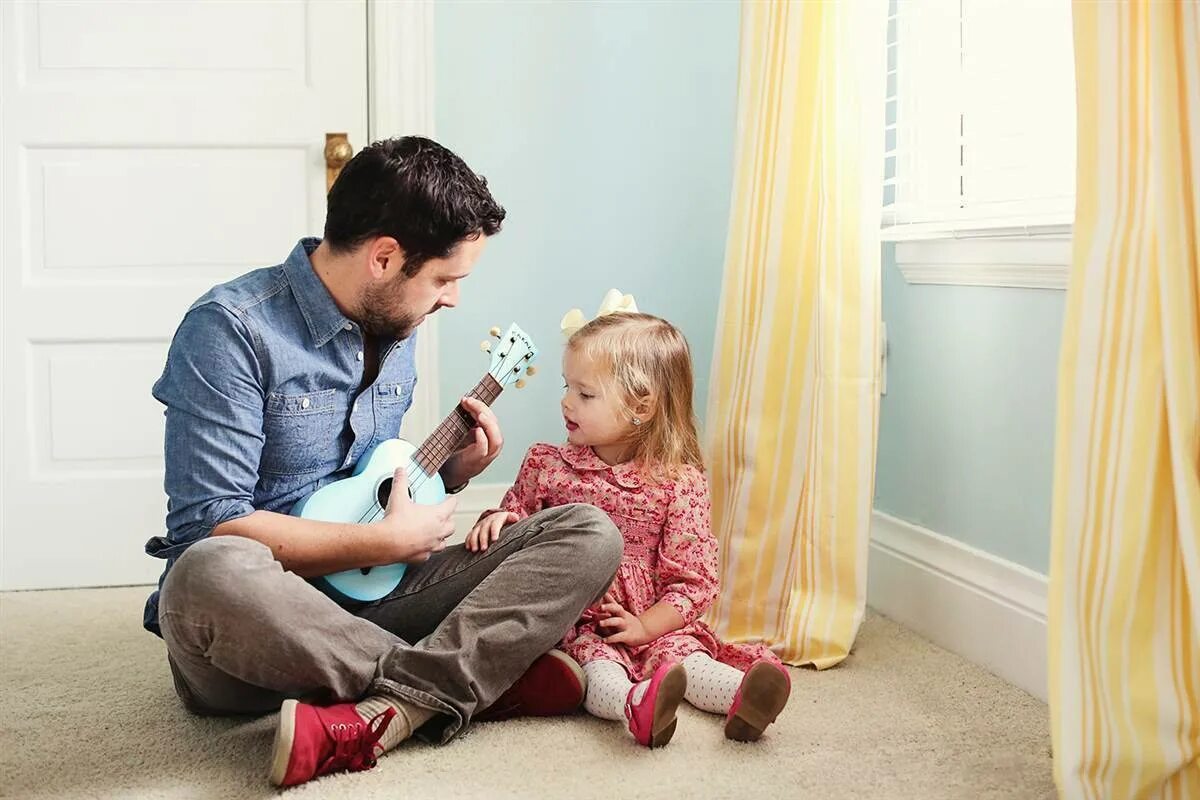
[(584, 458)]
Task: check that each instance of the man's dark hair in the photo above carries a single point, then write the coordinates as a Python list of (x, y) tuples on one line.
[(414, 190)]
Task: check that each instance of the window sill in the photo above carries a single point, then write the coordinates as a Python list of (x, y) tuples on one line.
[(1024, 258)]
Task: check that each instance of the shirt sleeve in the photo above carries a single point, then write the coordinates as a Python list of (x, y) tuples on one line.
[(687, 554), (523, 498), (213, 392)]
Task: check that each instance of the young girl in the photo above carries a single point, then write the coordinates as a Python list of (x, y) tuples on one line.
[(632, 451)]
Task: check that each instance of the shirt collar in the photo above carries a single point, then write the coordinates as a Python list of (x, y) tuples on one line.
[(584, 458), (323, 316)]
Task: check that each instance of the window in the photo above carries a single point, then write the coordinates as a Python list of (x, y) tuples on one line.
[(980, 138)]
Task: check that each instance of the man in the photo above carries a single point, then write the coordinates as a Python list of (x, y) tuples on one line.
[(276, 383)]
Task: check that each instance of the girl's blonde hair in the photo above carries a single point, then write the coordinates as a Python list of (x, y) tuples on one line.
[(641, 356)]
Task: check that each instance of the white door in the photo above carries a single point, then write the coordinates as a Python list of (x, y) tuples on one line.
[(150, 150)]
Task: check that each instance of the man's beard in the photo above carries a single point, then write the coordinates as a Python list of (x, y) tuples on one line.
[(383, 314)]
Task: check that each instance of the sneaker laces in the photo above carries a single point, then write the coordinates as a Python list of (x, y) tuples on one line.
[(355, 743)]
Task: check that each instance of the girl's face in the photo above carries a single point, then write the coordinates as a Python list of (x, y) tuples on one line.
[(592, 414)]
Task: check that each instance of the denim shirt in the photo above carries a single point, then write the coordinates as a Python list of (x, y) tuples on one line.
[(263, 407)]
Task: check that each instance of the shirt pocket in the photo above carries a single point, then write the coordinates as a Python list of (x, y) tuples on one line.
[(394, 399), (396, 393), (302, 432)]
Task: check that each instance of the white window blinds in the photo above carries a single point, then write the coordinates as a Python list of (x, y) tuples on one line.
[(981, 117)]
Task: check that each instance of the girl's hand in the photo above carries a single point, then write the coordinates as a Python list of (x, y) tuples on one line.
[(487, 530), (622, 627)]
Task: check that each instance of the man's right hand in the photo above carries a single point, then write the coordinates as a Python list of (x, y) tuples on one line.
[(417, 531)]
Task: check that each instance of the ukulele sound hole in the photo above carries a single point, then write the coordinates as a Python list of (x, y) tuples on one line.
[(382, 494), (385, 492)]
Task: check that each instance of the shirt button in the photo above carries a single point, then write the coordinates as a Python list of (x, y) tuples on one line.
[(398, 390), (304, 403), (358, 355), (349, 326)]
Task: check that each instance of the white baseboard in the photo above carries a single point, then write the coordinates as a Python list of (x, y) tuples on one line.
[(985, 609), (473, 501)]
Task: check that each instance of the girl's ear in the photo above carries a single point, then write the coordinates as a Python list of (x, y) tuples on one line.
[(644, 407)]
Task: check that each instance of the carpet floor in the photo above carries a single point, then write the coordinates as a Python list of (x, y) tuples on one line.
[(88, 711)]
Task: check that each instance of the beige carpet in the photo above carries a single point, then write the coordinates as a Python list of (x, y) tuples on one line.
[(88, 711)]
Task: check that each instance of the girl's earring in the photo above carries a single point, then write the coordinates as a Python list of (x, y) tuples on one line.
[(637, 421)]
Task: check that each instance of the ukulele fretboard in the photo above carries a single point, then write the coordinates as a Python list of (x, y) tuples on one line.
[(454, 430)]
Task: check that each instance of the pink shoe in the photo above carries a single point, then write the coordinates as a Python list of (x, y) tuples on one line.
[(652, 719), (762, 695)]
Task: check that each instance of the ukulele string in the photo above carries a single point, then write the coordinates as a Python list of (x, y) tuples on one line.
[(375, 512)]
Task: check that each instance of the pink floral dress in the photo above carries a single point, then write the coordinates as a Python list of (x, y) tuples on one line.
[(670, 553)]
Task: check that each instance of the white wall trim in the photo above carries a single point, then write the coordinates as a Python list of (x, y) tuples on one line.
[(1026, 262), (400, 102), (473, 501), (1015, 276), (985, 609)]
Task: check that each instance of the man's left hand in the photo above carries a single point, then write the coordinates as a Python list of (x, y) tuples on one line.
[(473, 459)]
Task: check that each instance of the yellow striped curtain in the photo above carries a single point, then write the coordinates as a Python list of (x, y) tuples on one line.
[(1125, 562), (793, 402)]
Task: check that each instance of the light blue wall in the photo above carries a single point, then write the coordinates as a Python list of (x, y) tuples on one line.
[(606, 130), (966, 439)]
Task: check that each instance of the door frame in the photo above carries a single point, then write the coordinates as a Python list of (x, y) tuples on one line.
[(400, 52)]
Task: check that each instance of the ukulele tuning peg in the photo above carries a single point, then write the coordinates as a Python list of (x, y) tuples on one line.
[(521, 383), (485, 346), (531, 371), (495, 332)]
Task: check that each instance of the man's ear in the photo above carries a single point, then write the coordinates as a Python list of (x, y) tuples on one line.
[(385, 257)]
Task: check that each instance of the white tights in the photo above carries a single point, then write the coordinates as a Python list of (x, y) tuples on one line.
[(711, 686)]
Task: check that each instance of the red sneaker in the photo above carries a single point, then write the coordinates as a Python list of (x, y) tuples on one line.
[(762, 695), (652, 719), (553, 685), (316, 740)]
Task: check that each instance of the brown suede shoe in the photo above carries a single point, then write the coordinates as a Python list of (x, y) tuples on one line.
[(762, 695)]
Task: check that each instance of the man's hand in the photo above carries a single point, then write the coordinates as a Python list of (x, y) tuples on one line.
[(622, 626), (476, 456), (417, 531), (487, 530)]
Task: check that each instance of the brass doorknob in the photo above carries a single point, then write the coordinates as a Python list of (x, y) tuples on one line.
[(337, 152)]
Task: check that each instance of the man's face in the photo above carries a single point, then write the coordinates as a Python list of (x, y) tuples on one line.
[(398, 305)]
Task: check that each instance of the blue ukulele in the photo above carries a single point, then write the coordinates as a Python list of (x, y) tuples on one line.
[(363, 496)]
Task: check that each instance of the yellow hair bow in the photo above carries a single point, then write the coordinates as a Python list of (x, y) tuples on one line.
[(614, 302)]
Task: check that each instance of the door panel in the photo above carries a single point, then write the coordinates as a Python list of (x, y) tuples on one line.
[(150, 150)]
